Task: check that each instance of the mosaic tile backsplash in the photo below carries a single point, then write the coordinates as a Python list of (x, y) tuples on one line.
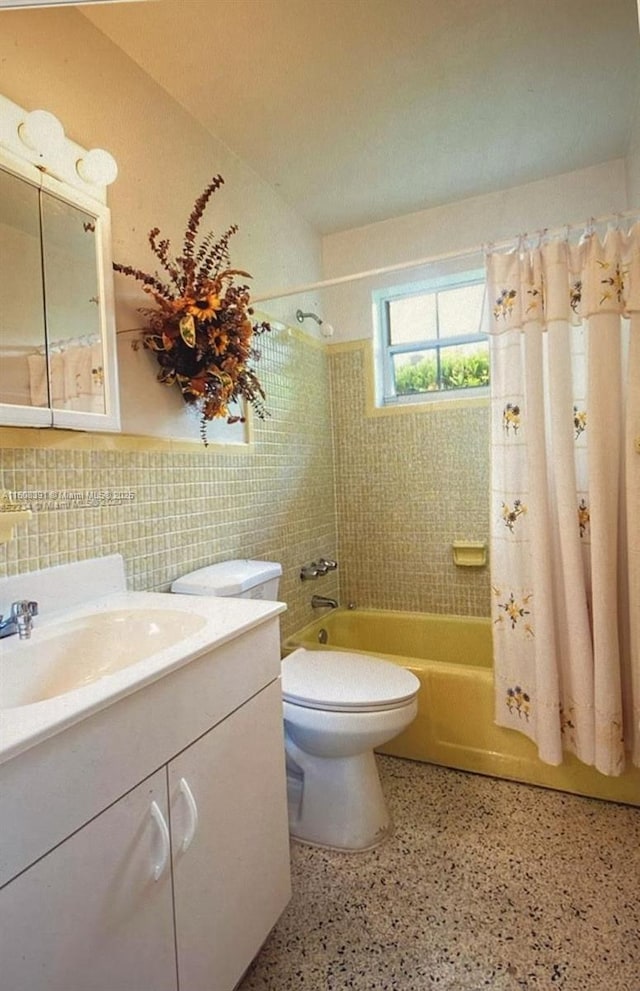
[(408, 485), (168, 513)]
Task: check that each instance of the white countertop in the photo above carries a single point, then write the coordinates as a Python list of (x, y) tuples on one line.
[(23, 726)]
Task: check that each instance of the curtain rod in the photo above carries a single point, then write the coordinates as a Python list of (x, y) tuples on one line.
[(447, 256)]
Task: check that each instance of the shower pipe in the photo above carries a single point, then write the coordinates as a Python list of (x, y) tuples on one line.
[(484, 248)]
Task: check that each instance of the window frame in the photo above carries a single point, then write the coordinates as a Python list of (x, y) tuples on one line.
[(386, 351)]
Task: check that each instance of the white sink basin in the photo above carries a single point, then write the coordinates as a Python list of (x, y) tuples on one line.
[(94, 643), (76, 652)]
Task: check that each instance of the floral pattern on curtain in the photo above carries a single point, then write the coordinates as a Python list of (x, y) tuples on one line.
[(565, 515)]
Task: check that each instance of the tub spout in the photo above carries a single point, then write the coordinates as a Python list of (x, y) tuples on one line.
[(320, 601)]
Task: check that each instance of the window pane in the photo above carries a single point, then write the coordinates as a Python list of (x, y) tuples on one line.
[(415, 372), (412, 319), (464, 367), (460, 310)]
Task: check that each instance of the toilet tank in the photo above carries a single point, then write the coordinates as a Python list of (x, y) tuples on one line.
[(239, 579)]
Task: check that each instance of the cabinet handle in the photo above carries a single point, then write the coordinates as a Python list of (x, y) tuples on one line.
[(193, 815), (161, 823)]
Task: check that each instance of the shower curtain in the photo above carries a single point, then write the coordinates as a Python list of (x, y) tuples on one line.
[(565, 515)]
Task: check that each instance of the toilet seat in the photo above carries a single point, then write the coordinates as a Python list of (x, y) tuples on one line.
[(339, 681)]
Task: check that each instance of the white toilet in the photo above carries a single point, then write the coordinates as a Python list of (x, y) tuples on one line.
[(338, 706)]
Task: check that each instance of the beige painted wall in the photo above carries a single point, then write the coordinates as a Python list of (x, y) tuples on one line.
[(566, 199), (57, 60), (633, 160)]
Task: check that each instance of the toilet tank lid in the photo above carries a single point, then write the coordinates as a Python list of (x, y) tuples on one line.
[(227, 577)]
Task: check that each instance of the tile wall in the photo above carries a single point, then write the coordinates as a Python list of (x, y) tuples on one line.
[(170, 512), (408, 485)]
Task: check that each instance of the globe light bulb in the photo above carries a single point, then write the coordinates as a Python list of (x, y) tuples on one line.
[(97, 167), (42, 132)]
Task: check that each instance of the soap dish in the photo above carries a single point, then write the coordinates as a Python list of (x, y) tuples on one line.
[(469, 553)]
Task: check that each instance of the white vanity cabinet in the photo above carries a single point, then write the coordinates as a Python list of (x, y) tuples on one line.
[(232, 880), (89, 916), (164, 882)]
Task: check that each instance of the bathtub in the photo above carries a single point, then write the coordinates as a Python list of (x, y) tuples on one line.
[(452, 657)]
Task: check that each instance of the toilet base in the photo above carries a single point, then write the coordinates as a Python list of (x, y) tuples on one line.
[(342, 849), (335, 802)]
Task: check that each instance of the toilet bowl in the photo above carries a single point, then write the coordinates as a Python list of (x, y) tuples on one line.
[(337, 707)]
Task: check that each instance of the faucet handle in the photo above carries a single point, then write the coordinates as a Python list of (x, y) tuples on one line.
[(327, 565), (308, 571), (24, 608), (23, 612), (321, 566)]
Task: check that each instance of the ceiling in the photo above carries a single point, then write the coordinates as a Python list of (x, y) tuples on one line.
[(360, 110)]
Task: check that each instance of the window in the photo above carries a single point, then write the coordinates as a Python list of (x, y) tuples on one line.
[(431, 341)]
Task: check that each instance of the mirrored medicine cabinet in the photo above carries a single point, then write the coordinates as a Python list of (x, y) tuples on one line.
[(57, 333)]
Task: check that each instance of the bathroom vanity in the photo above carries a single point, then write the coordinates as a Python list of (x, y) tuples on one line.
[(143, 815)]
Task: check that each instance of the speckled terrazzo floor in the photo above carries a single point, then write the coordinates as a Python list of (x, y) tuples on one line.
[(484, 884)]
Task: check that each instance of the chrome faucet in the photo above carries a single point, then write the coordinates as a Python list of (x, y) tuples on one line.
[(20, 619), (308, 571), (318, 601), (317, 568)]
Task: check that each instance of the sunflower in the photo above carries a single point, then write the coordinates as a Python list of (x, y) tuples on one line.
[(204, 308), (219, 340)]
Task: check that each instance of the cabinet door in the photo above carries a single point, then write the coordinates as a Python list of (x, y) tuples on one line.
[(232, 881), (24, 396), (90, 916), (58, 364)]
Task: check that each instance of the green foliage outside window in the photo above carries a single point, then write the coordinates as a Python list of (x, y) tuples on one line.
[(456, 372)]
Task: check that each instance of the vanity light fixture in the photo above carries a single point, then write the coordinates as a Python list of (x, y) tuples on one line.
[(97, 167), (38, 138), (325, 328)]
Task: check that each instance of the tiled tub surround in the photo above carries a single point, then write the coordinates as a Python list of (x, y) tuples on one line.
[(182, 510), (409, 483), (485, 884)]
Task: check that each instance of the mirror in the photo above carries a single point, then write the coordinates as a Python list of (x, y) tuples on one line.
[(75, 347), (22, 317), (57, 333)]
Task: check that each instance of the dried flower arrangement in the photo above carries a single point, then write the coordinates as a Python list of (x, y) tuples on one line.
[(202, 333)]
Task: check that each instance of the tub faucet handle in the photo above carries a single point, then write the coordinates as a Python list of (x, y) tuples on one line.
[(327, 564), (308, 571)]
